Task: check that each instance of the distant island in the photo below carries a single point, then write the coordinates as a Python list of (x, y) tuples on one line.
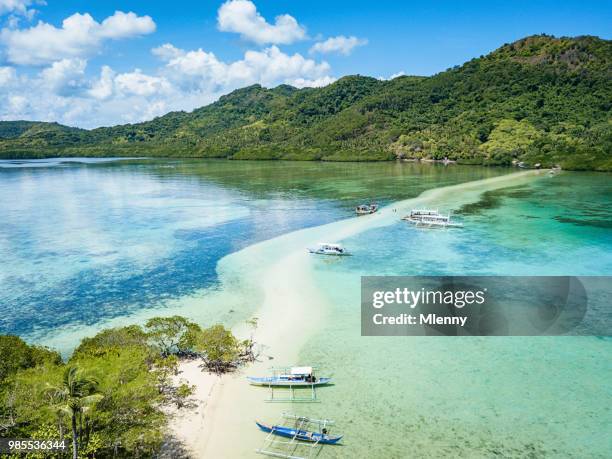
[(540, 100)]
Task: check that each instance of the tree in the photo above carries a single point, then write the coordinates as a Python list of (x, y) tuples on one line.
[(112, 340), (164, 369), (248, 345), (17, 354), (188, 341), (171, 334), (183, 392), (76, 395), (219, 348)]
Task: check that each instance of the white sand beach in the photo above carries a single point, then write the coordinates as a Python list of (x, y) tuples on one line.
[(288, 315)]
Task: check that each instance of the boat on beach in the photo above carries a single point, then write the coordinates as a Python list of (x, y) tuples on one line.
[(366, 209), (429, 218), (327, 248), (290, 377)]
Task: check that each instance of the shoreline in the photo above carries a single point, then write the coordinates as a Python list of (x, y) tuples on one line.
[(288, 315)]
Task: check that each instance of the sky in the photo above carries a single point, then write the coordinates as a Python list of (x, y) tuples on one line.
[(91, 64)]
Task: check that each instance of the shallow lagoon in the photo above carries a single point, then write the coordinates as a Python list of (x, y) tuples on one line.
[(99, 244), (85, 243), (475, 396)]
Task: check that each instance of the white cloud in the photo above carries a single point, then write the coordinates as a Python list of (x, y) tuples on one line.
[(241, 16), (167, 51), (139, 84), (65, 92), (17, 7), (340, 44), (8, 75), (202, 70), (79, 36), (17, 103), (395, 75), (316, 83), (103, 87), (65, 76)]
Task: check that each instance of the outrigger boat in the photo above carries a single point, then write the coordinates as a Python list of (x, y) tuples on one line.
[(326, 248), (294, 376), (418, 213), (430, 218), (301, 437), (366, 209), (292, 384), (299, 434)]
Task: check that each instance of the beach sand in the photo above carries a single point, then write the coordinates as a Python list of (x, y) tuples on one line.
[(221, 425)]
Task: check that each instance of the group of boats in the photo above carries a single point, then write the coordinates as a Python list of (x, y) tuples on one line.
[(302, 432), (422, 218)]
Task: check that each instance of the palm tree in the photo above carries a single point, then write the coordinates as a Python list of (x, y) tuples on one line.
[(76, 394)]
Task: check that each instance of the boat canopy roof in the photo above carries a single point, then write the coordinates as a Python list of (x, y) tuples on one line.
[(424, 211), (329, 244), (301, 371)]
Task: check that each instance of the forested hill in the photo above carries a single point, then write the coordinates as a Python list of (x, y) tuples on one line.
[(539, 100)]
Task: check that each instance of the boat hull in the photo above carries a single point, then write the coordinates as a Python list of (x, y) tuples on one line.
[(318, 252), (302, 435), (422, 224), (285, 383)]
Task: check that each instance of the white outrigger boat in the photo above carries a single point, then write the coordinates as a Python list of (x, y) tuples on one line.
[(286, 384), (293, 376), (366, 209), (326, 248), (430, 218)]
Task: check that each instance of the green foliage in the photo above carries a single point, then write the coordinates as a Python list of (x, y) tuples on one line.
[(509, 140), (112, 340), (107, 398), (183, 392), (172, 334), (74, 397), (518, 102), (219, 348), (17, 355)]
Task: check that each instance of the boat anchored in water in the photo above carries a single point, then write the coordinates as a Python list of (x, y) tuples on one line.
[(430, 218), (326, 248), (289, 384), (306, 437), (300, 434), (366, 209), (293, 376)]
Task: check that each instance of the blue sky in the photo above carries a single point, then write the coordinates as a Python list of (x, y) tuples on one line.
[(96, 72)]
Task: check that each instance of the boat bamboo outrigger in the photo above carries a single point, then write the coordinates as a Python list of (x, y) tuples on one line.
[(430, 218), (287, 379), (327, 248), (366, 209), (301, 437)]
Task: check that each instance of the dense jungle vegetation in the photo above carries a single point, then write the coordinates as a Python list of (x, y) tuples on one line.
[(540, 99)]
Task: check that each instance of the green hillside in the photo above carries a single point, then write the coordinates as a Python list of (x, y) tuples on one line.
[(539, 100)]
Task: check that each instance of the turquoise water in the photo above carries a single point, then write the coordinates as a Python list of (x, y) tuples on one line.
[(475, 396), (87, 242)]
